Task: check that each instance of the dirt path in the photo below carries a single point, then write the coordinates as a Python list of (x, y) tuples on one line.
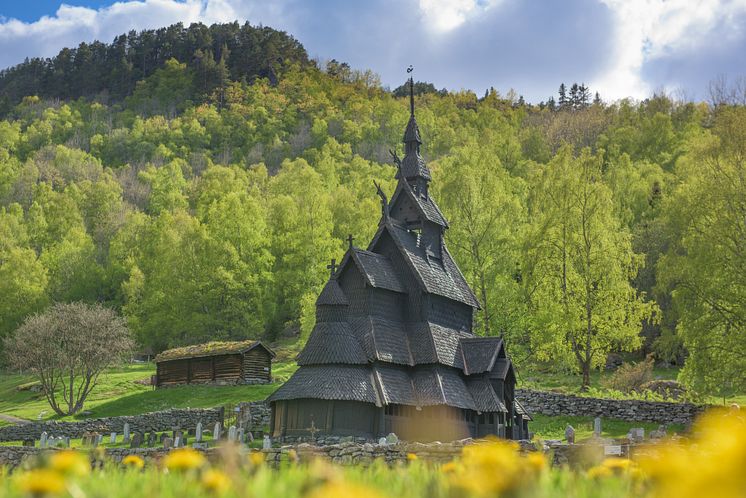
[(13, 420)]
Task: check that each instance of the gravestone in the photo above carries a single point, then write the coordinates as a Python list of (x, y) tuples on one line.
[(29, 442), (216, 431), (126, 433), (382, 442), (597, 427), (136, 441), (240, 436), (95, 439), (67, 441), (501, 430), (570, 434), (184, 440), (43, 440), (232, 433), (167, 443), (177, 442), (113, 438), (659, 433), (162, 437), (636, 433), (392, 438), (267, 443), (198, 433), (151, 439)]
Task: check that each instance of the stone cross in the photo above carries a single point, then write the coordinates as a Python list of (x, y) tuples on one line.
[(232, 433), (126, 433), (198, 432), (267, 443), (113, 438), (43, 440), (216, 432), (597, 427)]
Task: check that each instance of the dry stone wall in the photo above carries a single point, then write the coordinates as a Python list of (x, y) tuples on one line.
[(155, 421), (549, 403)]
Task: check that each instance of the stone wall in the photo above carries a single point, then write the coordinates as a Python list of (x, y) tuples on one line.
[(155, 421), (549, 403), (254, 415)]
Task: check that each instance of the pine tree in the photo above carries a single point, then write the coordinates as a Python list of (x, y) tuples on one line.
[(574, 96), (562, 96), (597, 100)]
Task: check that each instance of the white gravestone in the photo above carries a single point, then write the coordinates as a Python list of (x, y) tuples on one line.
[(216, 431), (113, 438), (267, 443), (198, 432), (597, 427), (126, 433), (232, 433), (43, 440)]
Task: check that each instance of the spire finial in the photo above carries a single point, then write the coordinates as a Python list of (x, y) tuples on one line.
[(411, 90), (332, 266)]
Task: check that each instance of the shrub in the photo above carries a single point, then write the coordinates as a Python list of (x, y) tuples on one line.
[(631, 376)]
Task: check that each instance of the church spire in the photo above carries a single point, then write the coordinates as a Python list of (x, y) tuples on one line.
[(413, 168)]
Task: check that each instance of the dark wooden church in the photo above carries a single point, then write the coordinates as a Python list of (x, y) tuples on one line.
[(393, 349)]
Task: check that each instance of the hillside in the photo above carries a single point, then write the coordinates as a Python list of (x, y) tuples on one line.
[(203, 208)]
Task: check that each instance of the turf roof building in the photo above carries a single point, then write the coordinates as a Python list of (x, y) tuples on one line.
[(238, 362), (393, 349)]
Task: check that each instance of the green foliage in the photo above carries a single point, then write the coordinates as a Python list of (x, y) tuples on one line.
[(631, 376), (206, 200)]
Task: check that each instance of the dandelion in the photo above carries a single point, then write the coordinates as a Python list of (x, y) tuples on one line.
[(215, 481), (293, 455), (41, 482), (184, 459), (70, 462), (618, 465), (489, 468), (411, 457), (256, 458), (536, 461), (342, 489), (448, 467), (599, 472), (133, 462)]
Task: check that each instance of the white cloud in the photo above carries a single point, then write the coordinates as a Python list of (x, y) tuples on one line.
[(72, 25), (650, 29), (446, 15)]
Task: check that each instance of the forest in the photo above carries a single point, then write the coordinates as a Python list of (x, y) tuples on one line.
[(198, 181)]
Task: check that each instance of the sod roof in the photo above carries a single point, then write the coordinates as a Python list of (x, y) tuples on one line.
[(214, 348)]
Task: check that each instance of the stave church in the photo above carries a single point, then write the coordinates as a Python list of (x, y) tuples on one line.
[(393, 349)]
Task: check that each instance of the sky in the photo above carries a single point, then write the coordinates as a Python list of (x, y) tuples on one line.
[(620, 48)]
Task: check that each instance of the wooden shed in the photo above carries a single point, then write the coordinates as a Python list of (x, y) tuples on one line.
[(241, 362)]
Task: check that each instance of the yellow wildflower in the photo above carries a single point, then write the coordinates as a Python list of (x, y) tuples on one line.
[(184, 459), (617, 465), (599, 471), (293, 455), (448, 467), (133, 461), (41, 482), (256, 458), (712, 464), (342, 489), (490, 468), (215, 481), (70, 462), (411, 457), (536, 461)]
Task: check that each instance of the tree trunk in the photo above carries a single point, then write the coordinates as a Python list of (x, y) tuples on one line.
[(586, 376)]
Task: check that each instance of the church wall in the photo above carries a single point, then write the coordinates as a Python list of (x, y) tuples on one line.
[(449, 313), (353, 286), (293, 418), (414, 298)]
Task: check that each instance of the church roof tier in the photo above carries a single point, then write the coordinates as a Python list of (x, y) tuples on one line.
[(413, 166), (377, 270), (385, 340), (332, 294), (484, 396), (425, 204), (332, 342), (480, 353), (331, 382), (441, 278)]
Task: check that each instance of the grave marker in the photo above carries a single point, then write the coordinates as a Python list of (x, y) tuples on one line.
[(216, 432), (126, 433), (113, 438), (198, 432), (597, 427), (43, 440)]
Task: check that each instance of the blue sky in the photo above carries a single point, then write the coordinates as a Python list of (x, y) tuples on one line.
[(621, 48)]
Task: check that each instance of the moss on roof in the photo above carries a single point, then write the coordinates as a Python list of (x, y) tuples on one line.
[(213, 348)]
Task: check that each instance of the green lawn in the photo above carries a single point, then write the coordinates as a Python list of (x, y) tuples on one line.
[(545, 427), (123, 391)]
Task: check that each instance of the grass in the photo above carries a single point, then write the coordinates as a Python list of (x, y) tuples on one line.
[(546, 427), (124, 391)]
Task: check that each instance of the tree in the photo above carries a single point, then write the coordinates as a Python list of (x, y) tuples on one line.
[(705, 266), (67, 347), (563, 102), (579, 263)]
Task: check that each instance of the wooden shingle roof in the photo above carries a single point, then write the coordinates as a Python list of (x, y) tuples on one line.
[(214, 348), (332, 382), (332, 342), (480, 353)]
